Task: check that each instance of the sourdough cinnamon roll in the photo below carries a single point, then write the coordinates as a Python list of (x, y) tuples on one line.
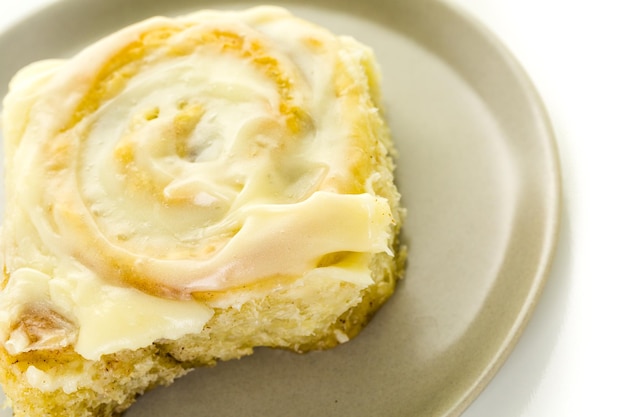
[(182, 191)]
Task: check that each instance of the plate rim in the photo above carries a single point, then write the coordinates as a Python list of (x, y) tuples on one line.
[(554, 187), (552, 231)]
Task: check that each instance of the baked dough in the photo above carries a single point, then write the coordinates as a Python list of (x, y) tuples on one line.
[(183, 191)]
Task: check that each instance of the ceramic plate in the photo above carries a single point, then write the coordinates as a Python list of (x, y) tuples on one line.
[(479, 174)]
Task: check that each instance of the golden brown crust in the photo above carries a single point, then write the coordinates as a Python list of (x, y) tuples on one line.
[(116, 381)]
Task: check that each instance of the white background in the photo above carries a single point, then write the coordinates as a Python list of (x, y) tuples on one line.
[(571, 361)]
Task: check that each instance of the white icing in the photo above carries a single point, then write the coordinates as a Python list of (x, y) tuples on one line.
[(49, 382), (204, 171)]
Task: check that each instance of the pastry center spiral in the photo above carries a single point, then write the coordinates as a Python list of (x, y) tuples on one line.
[(188, 156)]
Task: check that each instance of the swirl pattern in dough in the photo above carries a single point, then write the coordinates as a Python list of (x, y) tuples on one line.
[(204, 153), (182, 191)]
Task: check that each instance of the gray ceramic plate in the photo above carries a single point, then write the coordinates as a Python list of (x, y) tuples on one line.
[(479, 174)]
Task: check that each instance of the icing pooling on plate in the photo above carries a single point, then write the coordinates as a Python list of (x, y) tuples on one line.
[(185, 156)]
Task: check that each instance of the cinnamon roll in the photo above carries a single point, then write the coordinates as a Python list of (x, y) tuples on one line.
[(182, 191)]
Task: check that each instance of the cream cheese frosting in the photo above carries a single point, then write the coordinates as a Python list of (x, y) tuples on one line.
[(179, 157)]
